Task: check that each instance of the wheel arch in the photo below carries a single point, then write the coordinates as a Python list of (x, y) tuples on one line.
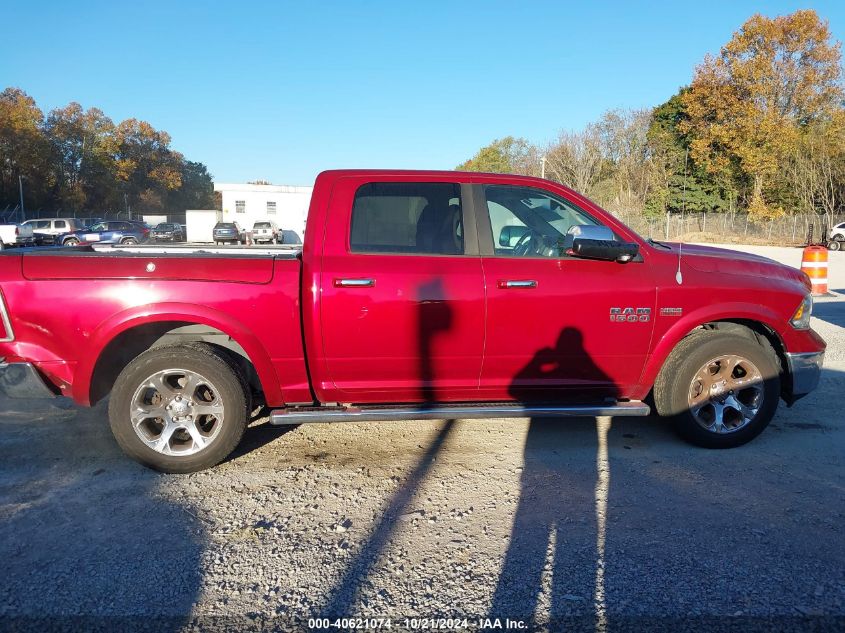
[(123, 337), (755, 322)]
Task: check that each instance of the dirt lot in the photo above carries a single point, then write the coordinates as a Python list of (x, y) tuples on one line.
[(594, 524)]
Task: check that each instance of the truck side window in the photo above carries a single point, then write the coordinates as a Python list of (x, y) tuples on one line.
[(413, 218), (529, 222)]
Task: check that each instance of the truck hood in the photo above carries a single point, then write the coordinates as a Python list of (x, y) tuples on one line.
[(710, 259)]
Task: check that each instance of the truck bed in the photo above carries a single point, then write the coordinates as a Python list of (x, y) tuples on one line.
[(69, 303)]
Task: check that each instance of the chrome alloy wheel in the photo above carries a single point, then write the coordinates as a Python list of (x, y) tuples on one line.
[(726, 394), (176, 412)]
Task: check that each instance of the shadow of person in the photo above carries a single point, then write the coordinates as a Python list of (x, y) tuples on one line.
[(554, 563), (434, 317)]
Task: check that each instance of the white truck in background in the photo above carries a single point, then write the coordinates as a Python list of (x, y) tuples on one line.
[(836, 240), (16, 235)]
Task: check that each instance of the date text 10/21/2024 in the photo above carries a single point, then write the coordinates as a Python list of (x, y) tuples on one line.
[(418, 624)]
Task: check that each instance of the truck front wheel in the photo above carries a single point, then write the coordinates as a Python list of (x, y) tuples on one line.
[(720, 389), (179, 409)]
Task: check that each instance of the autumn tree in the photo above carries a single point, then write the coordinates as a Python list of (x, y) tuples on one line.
[(749, 107), (82, 162), (76, 159), (24, 151), (505, 156)]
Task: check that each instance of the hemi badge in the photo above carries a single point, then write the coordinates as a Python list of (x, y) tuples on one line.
[(671, 311)]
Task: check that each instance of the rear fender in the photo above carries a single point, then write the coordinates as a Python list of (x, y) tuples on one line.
[(189, 313)]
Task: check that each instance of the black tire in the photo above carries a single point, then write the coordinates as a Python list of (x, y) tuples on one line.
[(71, 241), (231, 390), (834, 244), (674, 383), (128, 240)]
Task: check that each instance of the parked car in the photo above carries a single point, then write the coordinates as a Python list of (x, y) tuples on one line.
[(410, 300), (45, 230), (168, 232), (287, 236), (86, 222), (16, 235), (837, 237), (265, 232), (107, 232), (224, 232)]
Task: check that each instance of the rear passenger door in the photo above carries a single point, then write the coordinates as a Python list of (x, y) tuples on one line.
[(116, 230), (402, 307)]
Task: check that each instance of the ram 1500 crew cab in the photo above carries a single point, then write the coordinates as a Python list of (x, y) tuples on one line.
[(415, 295)]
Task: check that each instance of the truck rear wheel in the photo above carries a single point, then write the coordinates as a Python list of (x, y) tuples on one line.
[(179, 409), (719, 389)]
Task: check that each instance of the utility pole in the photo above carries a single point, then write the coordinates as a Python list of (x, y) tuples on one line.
[(20, 185), (543, 167)]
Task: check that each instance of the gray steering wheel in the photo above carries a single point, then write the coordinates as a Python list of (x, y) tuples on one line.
[(525, 244)]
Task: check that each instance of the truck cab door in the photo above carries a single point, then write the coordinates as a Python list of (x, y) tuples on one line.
[(557, 326), (401, 293)]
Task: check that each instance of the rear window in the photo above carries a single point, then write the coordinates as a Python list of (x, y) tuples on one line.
[(165, 227), (261, 225), (413, 218), (224, 225)]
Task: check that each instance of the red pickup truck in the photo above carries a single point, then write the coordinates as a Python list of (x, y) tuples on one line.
[(416, 295)]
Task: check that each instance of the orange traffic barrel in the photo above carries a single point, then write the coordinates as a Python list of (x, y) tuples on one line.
[(814, 264)]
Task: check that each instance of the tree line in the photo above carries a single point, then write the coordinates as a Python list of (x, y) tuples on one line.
[(77, 160), (761, 129)]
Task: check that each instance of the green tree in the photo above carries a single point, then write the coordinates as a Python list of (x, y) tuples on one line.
[(680, 184), (196, 190)]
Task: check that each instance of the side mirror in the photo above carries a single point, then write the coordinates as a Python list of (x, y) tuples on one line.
[(597, 242)]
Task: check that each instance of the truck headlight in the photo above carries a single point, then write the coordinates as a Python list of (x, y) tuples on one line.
[(801, 319)]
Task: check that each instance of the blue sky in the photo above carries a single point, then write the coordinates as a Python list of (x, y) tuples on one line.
[(282, 90)]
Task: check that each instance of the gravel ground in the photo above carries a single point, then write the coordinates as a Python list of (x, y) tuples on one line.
[(585, 524)]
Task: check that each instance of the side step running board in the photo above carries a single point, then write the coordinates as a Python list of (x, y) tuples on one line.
[(448, 412)]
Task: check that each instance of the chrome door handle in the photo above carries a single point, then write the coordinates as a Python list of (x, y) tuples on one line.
[(355, 283), (517, 283)]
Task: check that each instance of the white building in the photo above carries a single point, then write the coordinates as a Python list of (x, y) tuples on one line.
[(246, 204)]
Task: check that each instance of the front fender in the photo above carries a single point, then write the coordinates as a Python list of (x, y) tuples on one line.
[(663, 345), (173, 311)]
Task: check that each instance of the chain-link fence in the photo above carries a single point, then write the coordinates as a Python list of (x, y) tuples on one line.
[(733, 228)]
